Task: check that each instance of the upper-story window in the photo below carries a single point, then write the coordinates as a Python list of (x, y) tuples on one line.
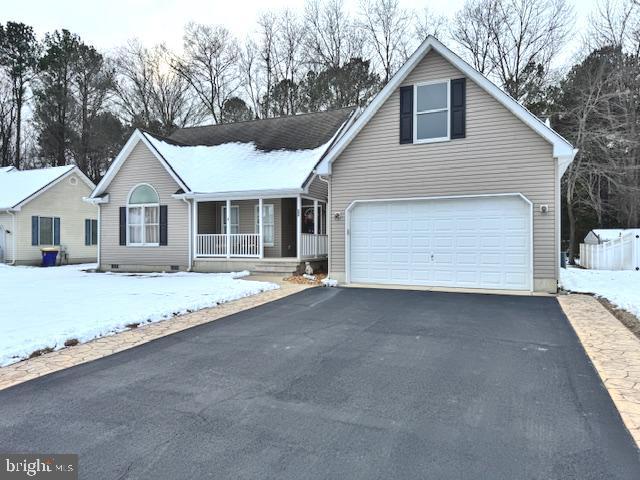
[(431, 110), (143, 216)]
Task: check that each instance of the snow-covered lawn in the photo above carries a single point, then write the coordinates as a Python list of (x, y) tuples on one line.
[(620, 287), (44, 307)]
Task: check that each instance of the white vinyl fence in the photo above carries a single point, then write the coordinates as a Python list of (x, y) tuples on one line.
[(620, 254)]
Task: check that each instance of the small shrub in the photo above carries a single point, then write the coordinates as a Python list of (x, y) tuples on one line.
[(132, 325), (72, 342), (40, 352)]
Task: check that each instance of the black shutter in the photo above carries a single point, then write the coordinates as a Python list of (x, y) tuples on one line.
[(123, 225), (458, 107), (406, 114), (87, 231), (35, 231), (163, 224)]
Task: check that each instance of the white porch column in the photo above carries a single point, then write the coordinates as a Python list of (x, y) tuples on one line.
[(315, 228), (260, 230), (228, 223), (194, 227), (298, 226)]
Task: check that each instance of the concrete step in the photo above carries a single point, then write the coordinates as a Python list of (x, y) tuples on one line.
[(285, 269)]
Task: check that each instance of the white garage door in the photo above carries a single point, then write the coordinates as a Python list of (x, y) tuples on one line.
[(479, 242)]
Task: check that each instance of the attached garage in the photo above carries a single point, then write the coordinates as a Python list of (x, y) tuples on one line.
[(465, 242)]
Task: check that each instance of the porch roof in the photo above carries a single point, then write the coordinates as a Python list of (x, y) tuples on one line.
[(238, 167)]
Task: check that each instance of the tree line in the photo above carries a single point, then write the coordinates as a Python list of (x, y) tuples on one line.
[(63, 101)]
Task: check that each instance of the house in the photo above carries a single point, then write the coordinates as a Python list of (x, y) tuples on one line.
[(599, 236), (220, 198), (443, 180), (45, 208)]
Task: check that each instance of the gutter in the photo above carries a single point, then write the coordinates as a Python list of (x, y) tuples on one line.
[(239, 195)]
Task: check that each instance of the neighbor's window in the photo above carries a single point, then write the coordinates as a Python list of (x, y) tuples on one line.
[(431, 112), (143, 216), (90, 232), (46, 228), (267, 223)]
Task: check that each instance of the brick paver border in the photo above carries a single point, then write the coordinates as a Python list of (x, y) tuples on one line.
[(614, 351), (101, 347)]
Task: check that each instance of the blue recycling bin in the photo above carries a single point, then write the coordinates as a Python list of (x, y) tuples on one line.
[(49, 256)]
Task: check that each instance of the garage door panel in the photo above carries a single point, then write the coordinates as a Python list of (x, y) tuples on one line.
[(475, 242)]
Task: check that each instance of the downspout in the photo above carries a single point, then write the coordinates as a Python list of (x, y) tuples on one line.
[(190, 233), (13, 236), (328, 221)]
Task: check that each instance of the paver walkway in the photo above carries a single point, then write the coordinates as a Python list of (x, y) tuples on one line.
[(614, 351), (101, 347)]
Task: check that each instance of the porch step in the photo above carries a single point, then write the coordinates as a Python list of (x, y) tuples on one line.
[(276, 267)]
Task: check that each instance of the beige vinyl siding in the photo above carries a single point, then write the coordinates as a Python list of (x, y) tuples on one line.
[(143, 167), (500, 154), (318, 189), (62, 200)]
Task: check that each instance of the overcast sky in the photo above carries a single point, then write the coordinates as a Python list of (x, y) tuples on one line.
[(108, 24)]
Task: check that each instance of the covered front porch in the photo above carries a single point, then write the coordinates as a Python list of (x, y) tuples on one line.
[(263, 229)]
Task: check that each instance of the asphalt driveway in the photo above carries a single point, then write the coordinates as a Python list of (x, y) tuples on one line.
[(338, 383)]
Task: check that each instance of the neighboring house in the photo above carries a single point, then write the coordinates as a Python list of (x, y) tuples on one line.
[(193, 201), (598, 236), (443, 180), (45, 208), (446, 181)]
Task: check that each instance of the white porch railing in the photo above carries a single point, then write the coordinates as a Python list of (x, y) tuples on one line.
[(240, 245), (313, 246), (620, 254)]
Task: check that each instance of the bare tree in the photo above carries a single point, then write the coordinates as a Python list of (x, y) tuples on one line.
[(514, 40), (386, 24), (473, 31), (332, 37), (209, 65), (172, 100), (7, 117), (251, 75), (429, 23), (615, 23), (133, 83)]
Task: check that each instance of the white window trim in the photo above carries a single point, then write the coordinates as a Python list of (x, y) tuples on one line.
[(415, 112), (53, 231), (223, 219), (143, 205), (264, 224)]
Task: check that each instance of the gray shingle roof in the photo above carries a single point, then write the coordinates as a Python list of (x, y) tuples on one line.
[(296, 132)]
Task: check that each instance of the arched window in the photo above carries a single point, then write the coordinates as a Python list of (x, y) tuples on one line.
[(143, 216)]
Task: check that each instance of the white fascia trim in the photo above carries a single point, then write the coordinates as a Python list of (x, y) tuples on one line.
[(561, 147), (240, 195), (135, 137), (347, 230)]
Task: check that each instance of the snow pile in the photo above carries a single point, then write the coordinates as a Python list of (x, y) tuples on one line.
[(17, 185), (44, 307), (236, 167), (329, 282), (620, 287)]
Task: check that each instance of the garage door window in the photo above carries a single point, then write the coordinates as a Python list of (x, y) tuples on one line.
[(431, 112)]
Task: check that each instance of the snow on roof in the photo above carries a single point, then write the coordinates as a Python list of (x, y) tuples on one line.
[(238, 167), (18, 185)]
